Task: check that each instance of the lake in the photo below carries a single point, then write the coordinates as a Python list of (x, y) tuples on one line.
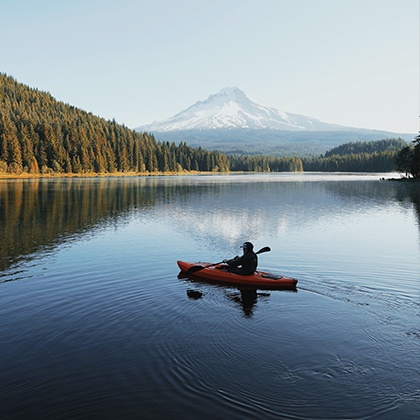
[(96, 322)]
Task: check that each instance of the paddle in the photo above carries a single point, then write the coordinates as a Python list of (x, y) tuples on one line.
[(196, 268)]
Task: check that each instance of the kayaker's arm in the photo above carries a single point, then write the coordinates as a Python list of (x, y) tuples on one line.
[(246, 264), (235, 262)]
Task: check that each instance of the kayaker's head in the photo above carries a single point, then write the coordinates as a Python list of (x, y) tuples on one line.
[(247, 247)]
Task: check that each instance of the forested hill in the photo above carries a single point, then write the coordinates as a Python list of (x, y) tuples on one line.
[(39, 134), (379, 146), (371, 156)]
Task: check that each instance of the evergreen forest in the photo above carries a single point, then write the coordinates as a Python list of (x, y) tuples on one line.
[(40, 135), (408, 159), (372, 156)]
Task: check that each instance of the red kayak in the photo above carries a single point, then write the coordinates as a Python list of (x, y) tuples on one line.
[(219, 273)]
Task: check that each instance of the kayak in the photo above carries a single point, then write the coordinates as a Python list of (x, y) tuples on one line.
[(219, 273)]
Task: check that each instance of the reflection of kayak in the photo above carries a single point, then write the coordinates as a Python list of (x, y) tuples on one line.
[(218, 273)]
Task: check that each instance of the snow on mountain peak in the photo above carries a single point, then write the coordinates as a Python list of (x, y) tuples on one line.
[(233, 93), (231, 108)]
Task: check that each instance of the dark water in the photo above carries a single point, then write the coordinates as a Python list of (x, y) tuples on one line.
[(95, 323)]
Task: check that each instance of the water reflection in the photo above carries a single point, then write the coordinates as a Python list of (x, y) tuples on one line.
[(226, 216), (246, 300), (40, 214), (108, 317), (194, 294), (411, 191)]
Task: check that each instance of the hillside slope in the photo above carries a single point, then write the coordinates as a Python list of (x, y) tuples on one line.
[(39, 134)]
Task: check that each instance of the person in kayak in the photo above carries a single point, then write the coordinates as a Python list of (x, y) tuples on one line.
[(245, 265)]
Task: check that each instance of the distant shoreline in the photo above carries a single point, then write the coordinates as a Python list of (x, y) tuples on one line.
[(26, 175)]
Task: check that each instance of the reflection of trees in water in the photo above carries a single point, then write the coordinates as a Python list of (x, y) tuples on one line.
[(401, 191), (41, 213), (378, 191), (416, 202), (412, 191)]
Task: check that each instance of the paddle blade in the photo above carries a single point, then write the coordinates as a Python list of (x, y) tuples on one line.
[(195, 268), (265, 249)]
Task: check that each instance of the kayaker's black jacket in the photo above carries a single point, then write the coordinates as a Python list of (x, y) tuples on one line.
[(246, 265)]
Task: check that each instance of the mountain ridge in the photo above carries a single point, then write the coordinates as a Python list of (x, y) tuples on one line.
[(231, 108)]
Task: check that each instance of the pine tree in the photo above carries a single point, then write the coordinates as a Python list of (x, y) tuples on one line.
[(10, 148)]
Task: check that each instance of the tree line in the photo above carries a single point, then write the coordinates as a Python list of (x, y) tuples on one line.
[(372, 156), (40, 135)]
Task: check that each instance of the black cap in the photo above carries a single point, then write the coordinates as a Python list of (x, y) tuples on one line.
[(248, 246)]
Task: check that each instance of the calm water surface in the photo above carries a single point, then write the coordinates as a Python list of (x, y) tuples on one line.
[(95, 323)]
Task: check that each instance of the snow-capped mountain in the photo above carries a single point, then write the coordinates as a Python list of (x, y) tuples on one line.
[(232, 109), (231, 123)]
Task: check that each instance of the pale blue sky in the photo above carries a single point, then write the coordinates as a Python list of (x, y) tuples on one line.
[(349, 62)]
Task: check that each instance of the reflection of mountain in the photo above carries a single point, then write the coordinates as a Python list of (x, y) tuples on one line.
[(225, 213)]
